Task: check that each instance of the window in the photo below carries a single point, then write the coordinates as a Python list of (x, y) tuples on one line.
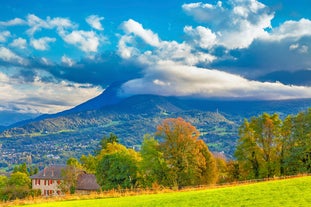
[(44, 182), (37, 181)]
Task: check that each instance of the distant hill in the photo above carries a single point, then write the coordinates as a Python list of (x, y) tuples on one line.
[(300, 77), (54, 138), (9, 117)]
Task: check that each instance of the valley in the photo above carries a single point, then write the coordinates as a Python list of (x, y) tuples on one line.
[(52, 139)]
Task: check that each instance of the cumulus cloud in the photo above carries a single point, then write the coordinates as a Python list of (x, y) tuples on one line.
[(291, 29), (4, 35), (13, 22), (19, 43), (94, 21), (156, 49), (8, 56), (87, 41), (171, 79), (36, 24), (240, 18), (201, 36), (58, 96), (42, 43), (133, 27)]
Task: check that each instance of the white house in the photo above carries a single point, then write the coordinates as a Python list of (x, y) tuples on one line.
[(49, 179)]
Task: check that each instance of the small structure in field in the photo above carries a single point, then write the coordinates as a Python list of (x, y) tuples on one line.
[(49, 181)]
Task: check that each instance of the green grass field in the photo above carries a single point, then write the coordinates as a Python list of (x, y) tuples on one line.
[(291, 192)]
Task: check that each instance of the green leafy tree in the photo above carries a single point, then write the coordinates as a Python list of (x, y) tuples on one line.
[(299, 141), (21, 168), (19, 179), (247, 152), (111, 139), (259, 147), (3, 181), (117, 167), (89, 163), (153, 165)]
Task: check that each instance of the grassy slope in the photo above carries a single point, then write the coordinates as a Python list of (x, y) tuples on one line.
[(291, 192)]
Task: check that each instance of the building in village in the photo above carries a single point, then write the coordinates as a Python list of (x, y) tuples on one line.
[(50, 178)]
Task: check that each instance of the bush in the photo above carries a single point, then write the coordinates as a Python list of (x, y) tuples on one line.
[(17, 192)]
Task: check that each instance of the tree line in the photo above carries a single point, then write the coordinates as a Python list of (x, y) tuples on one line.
[(175, 156), (18, 184), (269, 146)]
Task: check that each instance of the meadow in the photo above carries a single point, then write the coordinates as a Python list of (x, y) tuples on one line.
[(289, 192)]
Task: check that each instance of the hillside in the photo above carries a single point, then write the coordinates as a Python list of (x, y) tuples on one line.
[(54, 138)]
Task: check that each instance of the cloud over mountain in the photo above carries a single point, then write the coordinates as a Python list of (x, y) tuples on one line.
[(220, 49)]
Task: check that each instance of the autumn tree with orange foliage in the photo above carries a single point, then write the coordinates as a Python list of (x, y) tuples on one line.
[(188, 159)]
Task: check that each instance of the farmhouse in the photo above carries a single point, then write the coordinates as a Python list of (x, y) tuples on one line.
[(49, 179)]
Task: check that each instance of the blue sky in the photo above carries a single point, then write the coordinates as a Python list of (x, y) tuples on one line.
[(57, 54)]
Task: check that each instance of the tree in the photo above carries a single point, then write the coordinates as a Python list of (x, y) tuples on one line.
[(299, 144), (89, 163), (187, 157), (111, 139), (3, 181), (207, 164), (21, 168), (247, 152), (70, 175), (117, 167), (19, 179), (153, 165), (73, 162), (259, 146)]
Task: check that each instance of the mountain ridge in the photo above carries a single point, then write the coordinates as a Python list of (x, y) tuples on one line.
[(78, 131)]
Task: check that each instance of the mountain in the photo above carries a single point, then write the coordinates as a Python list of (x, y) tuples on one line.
[(55, 138), (10, 117), (300, 77)]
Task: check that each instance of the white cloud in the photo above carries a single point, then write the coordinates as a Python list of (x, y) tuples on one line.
[(42, 43), (4, 35), (94, 21), (303, 49), (201, 36), (67, 61), (291, 29), (87, 41), (42, 97), (36, 23), (13, 22), (8, 56), (130, 47), (237, 25), (171, 79), (61, 23), (19, 43), (137, 29), (124, 49)]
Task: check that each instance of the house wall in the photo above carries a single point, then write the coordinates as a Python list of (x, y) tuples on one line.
[(47, 187)]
